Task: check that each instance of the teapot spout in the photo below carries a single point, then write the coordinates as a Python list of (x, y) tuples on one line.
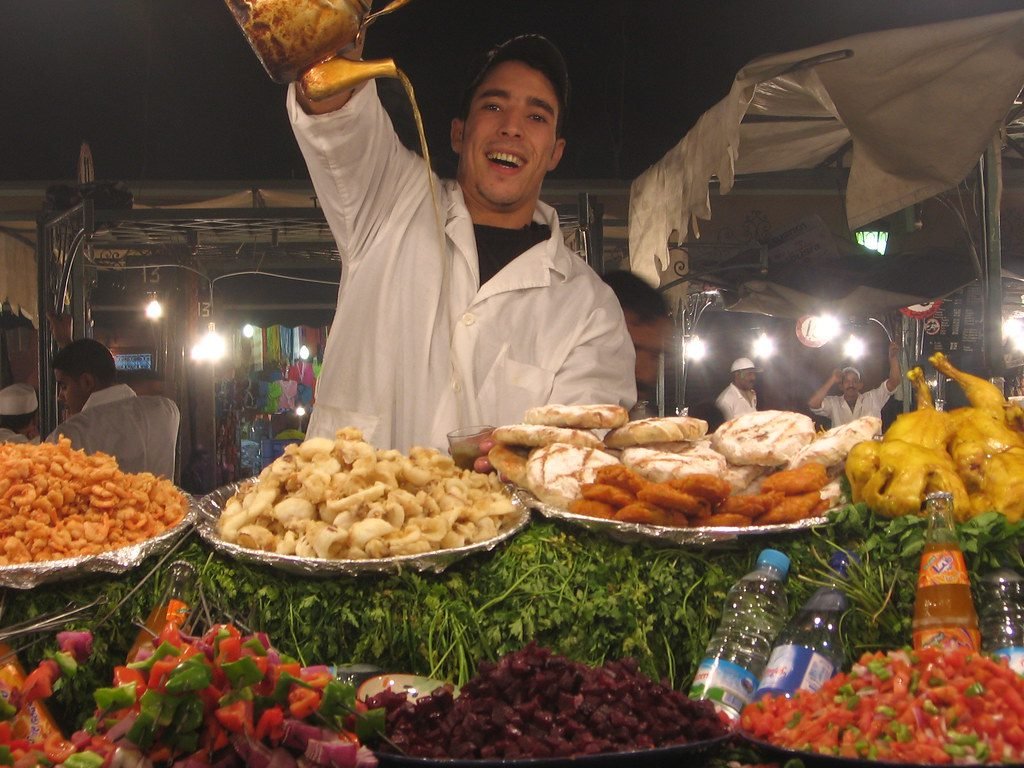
[(339, 74)]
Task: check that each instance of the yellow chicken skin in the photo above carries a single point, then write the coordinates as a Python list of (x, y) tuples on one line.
[(925, 426), (1002, 487), (981, 393), (893, 477), (976, 438)]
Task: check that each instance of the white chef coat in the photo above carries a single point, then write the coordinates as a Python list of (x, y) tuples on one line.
[(839, 411), (10, 436), (140, 432), (732, 403), (417, 348)]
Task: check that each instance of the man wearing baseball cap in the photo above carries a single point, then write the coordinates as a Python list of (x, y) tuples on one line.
[(853, 403), (739, 397), (18, 410), (460, 302)]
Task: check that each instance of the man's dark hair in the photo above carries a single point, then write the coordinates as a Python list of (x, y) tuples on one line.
[(537, 52), (18, 422), (637, 295), (86, 356)]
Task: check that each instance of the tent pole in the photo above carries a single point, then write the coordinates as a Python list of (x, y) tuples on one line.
[(992, 193)]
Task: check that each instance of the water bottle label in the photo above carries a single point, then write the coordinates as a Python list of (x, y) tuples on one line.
[(794, 667), (1015, 657), (942, 566), (728, 685)]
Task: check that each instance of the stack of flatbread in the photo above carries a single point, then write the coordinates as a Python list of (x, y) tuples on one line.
[(558, 448)]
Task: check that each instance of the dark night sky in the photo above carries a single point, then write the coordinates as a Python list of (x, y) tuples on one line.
[(169, 89)]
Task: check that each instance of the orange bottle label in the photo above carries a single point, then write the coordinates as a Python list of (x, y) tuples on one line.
[(942, 566), (947, 638), (33, 721)]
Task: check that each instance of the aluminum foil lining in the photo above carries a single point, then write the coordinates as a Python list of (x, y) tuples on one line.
[(661, 534), (212, 504), (29, 575)]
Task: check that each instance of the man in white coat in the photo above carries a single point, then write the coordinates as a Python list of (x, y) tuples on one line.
[(468, 308), (739, 397), (140, 432)]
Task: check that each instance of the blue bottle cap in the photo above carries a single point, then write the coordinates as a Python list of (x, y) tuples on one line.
[(840, 561), (774, 559)]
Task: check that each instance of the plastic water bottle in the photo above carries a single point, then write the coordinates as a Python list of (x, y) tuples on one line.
[(810, 649), (755, 610), (1002, 617)]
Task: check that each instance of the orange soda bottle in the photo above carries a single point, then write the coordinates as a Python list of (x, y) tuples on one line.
[(944, 612), (172, 609)]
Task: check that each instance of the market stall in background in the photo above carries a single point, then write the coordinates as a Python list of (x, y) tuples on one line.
[(610, 540)]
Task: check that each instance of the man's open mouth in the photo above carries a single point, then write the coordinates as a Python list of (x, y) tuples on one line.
[(505, 159)]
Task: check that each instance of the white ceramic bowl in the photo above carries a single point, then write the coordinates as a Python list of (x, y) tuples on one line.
[(413, 686)]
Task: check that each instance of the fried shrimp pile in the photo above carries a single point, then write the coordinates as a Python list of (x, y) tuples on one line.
[(57, 503), (702, 499), (343, 499)]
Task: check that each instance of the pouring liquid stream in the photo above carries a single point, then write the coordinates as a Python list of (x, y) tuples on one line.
[(338, 74)]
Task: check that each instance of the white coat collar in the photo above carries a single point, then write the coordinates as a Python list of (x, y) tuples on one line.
[(108, 395)]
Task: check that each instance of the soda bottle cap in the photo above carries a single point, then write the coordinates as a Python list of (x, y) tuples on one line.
[(939, 496), (774, 559)]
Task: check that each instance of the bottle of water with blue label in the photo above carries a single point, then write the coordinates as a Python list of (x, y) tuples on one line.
[(1002, 616), (809, 651), (755, 610)]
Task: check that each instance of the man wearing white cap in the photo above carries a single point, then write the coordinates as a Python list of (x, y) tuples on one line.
[(852, 403), (18, 407), (739, 397)]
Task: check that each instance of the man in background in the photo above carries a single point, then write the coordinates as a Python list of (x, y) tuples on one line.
[(18, 410), (853, 402), (650, 327), (140, 432), (739, 397)]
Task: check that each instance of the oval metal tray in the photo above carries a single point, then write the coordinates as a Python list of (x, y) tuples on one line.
[(661, 534), (212, 504), (29, 575)]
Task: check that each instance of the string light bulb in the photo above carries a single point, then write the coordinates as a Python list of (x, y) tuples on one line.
[(853, 349), (694, 348), (764, 346), (154, 309), (211, 347), (304, 352), (248, 331)]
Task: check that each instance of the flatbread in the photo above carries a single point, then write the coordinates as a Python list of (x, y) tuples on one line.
[(744, 479), (538, 435), (509, 462), (659, 466), (578, 416), (832, 447), (764, 438), (554, 473), (656, 430)]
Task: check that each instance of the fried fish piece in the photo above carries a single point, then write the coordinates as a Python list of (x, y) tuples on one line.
[(706, 486), (791, 509), (608, 494), (812, 476), (750, 505), (592, 508), (650, 514), (666, 497)]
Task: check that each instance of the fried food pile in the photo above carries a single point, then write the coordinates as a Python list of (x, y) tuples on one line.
[(762, 468), (975, 453), (58, 503), (700, 499), (343, 499)]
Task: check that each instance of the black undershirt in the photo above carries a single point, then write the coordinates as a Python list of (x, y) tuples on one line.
[(497, 246)]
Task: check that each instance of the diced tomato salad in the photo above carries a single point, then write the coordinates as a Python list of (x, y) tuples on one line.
[(926, 706)]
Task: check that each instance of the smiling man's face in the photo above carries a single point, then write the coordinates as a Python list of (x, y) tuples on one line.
[(507, 144)]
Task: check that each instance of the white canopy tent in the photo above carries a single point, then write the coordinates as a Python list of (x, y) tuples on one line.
[(909, 111)]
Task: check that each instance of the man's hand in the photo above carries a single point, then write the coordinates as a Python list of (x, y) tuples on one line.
[(894, 350)]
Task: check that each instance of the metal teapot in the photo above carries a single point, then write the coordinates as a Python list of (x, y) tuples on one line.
[(300, 39)]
